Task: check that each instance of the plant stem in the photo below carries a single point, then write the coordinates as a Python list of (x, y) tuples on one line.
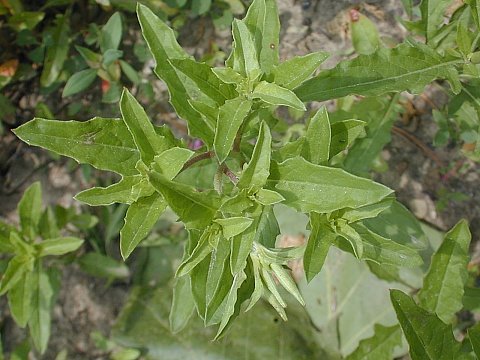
[(197, 158)]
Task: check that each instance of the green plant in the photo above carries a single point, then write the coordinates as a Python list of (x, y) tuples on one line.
[(227, 192), (31, 279)]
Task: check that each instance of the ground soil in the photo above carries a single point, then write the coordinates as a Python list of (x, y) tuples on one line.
[(417, 171)]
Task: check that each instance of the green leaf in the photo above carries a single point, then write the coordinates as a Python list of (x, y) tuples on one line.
[(30, 210), (427, 335), (255, 174), (277, 95), (20, 299), (308, 187), (352, 236), (183, 305), (25, 20), (141, 216), (241, 247), (201, 7), (111, 33), (42, 303), (365, 37), (285, 279), (316, 147), (57, 52), (245, 60), (130, 72), (79, 81), (228, 75), (464, 41), (58, 246), (103, 143), (381, 114), (475, 9), (318, 243), (126, 191), (367, 211), (100, 265), (234, 225), (195, 209), (433, 12), (148, 142), (268, 197), (110, 56), (379, 346), (170, 162), (443, 285), (474, 337), (267, 229), (164, 47), (344, 133), (92, 59), (406, 67), (207, 242), (48, 227), (230, 118), (293, 72), (207, 82)]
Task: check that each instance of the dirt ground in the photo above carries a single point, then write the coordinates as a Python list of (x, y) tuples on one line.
[(417, 170)]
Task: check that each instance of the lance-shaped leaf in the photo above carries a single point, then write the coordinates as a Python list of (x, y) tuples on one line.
[(293, 72), (365, 37), (103, 143), (148, 142), (308, 187), (48, 227), (126, 191), (268, 197), (380, 345), (319, 241), (443, 285), (352, 236), (234, 225), (367, 211), (474, 337), (58, 246), (316, 147), (230, 118), (163, 45), (244, 58), (267, 228), (381, 114), (183, 304), (285, 279), (111, 33), (20, 299), (56, 52), (170, 162), (203, 76), (475, 9), (15, 271), (405, 67), (241, 247), (40, 321), (276, 95), (433, 12), (263, 23), (208, 240), (428, 337), (30, 210), (255, 174), (141, 216), (344, 133), (79, 81)]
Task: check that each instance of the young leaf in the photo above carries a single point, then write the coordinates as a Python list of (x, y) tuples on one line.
[(57, 52), (30, 210), (241, 247), (428, 337), (207, 241), (353, 237), (474, 337), (100, 265), (20, 299), (110, 56), (308, 187), (367, 211), (433, 12), (40, 321), (170, 162), (267, 228), (263, 23), (344, 133), (48, 227), (59, 246), (245, 60), (316, 147), (380, 345), (406, 67), (293, 72), (234, 225), (207, 82), (103, 143), (319, 241), (268, 197), (285, 279), (216, 278), (163, 45), (255, 174), (79, 81), (126, 191), (148, 142), (141, 216), (92, 59), (365, 37), (130, 72), (111, 33), (443, 285), (230, 118), (183, 305), (277, 95)]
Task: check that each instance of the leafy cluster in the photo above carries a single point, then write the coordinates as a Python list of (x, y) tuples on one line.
[(31, 287)]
